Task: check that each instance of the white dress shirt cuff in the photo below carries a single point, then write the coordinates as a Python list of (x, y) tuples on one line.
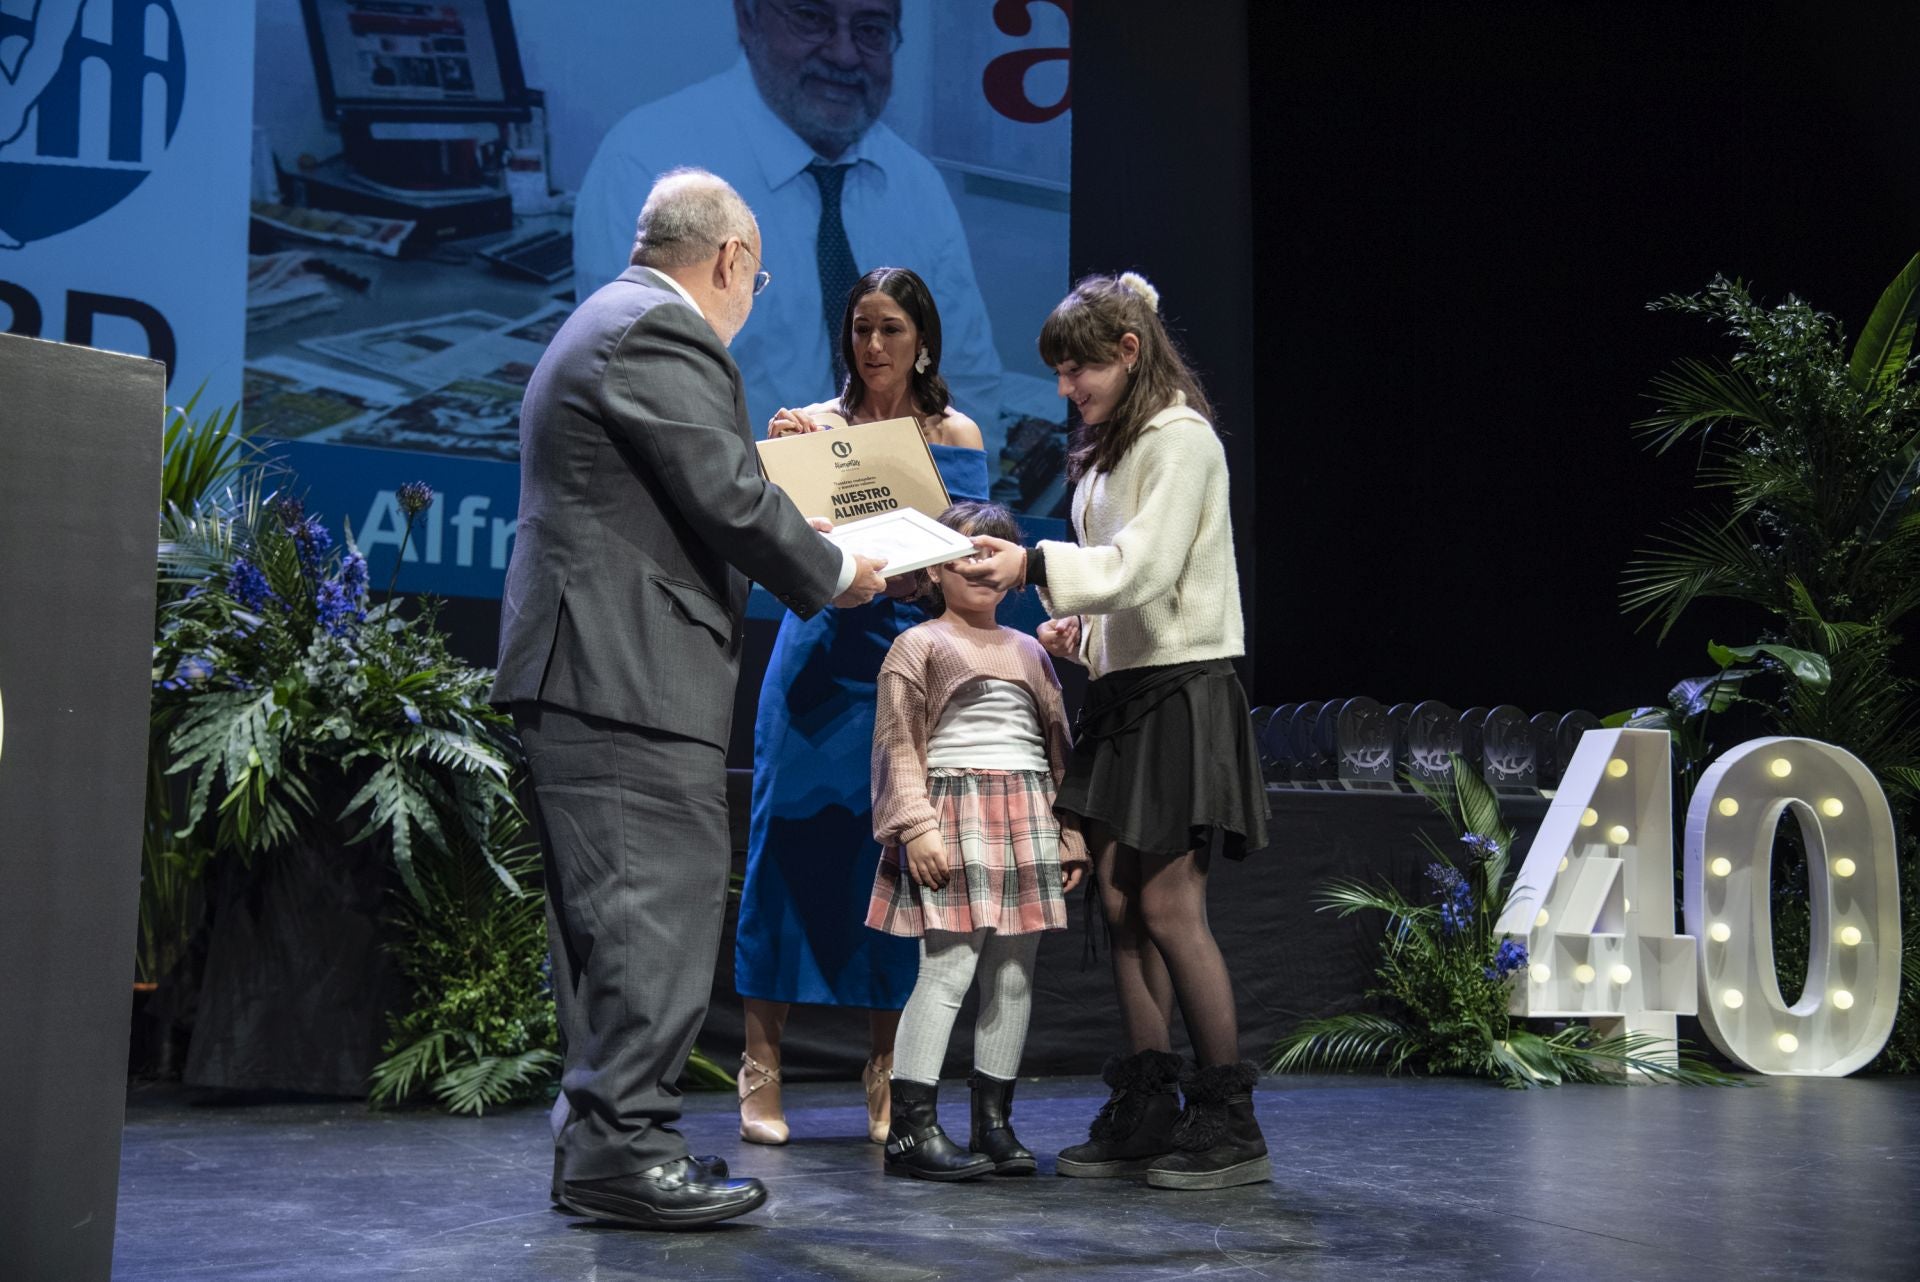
[(847, 571)]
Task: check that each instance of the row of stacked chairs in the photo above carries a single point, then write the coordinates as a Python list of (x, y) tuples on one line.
[(1358, 745)]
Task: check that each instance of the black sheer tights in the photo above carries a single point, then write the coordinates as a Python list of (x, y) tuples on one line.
[(1163, 947)]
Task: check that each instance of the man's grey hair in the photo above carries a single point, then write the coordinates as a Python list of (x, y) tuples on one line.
[(689, 214)]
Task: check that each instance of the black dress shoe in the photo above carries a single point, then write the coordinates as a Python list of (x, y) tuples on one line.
[(712, 1167), (674, 1195)]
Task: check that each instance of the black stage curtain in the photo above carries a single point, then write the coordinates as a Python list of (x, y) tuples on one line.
[(1289, 961)]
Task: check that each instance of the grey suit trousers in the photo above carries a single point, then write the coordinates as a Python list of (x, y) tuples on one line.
[(633, 823)]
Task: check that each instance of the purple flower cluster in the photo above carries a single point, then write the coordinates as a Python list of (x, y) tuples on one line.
[(1511, 957), (191, 671), (249, 587), (1482, 847), (414, 498), (353, 574), (1456, 896), (314, 543), (336, 611)]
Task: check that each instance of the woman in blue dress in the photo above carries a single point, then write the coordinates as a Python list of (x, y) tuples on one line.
[(810, 849)]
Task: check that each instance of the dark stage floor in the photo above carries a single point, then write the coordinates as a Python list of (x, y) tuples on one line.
[(1794, 1178)]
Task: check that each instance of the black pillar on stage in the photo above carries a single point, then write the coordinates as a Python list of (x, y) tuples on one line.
[(1162, 185), (79, 482)]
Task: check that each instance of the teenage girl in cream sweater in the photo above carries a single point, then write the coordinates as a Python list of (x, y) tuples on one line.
[(1164, 773)]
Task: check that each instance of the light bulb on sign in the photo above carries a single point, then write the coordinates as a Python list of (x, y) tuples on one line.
[(1617, 768), (1540, 972), (1833, 807), (1719, 932), (1842, 999), (1626, 905), (1618, 834), (1728, 807), (1780, 767), (1787, 1042), (1721, 866), (1621, 974), (1850, 936), (1583, 974), (1565, 862), (1541, 918), (1733, 999), (1844, 867), (1589, 817)]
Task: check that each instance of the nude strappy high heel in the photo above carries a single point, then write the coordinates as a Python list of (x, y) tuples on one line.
[(754, 1076), (877, 1077)]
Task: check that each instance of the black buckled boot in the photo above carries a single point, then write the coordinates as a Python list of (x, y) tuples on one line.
[(993, 1126), (1217, 1141), (1134, 1127), (917, 1146)]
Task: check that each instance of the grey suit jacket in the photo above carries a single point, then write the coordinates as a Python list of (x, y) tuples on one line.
[(643, 515)]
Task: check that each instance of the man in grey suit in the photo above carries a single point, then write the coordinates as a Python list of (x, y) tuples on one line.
[(642, 517)]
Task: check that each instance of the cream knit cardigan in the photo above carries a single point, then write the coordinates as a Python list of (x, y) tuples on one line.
[(1153, 577)]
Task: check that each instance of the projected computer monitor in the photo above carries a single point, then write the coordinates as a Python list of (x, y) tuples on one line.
[(416, 60)]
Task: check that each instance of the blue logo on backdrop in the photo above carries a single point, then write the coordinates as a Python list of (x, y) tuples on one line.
[(83, 121)]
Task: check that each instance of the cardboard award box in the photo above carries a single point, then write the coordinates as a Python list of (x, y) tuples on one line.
[(850, 473)]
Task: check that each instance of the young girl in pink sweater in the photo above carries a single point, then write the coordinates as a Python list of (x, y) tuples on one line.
[(969, 744)]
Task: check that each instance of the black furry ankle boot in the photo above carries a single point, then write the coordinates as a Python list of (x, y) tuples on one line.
[(917, 1146), (993, 1126), (1217, 1141), (1135, 1126)]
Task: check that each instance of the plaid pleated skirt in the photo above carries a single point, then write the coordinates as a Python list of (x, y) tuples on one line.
[(1003, 851)]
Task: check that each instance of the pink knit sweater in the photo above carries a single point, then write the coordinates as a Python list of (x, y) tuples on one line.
[(926, 665)]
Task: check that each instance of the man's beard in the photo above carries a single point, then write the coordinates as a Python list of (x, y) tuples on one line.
[(820, 124)]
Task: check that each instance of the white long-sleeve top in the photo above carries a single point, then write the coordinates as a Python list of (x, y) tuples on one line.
[(1153, 576)]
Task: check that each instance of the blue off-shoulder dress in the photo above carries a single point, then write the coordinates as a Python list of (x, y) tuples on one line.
[(810, 849)]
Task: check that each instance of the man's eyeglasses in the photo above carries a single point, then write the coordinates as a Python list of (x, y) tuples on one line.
[(761, 278), (872, 33)]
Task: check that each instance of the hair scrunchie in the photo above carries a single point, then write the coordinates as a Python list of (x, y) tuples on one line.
[(1138, 284)]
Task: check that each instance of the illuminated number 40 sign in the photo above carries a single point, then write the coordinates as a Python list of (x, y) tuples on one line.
[(1594, 901)]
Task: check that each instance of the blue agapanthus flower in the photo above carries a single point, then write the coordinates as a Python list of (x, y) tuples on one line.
[(1456, 896), (414, 498), (313, 542), (1482, 847), (336, 611), (411, 713), (249, 587), (353, 574), (1512, 955), (193, 670)]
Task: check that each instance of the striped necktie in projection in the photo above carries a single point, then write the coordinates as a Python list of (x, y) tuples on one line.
[(835, 257)]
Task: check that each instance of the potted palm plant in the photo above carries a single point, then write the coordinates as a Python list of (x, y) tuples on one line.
[(1810, 448), (321, 742)]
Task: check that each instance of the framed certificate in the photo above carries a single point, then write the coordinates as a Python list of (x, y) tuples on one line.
[(851, 473), (906, 540)]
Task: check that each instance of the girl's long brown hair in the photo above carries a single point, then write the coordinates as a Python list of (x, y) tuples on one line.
[(1085, 328)]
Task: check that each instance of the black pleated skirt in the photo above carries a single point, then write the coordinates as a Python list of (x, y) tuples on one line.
[(1165, 758)]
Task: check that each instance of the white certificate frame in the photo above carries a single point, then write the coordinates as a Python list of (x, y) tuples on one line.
[(907, 539)]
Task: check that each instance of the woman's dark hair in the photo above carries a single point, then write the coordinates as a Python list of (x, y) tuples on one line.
[(1085, 328), (927, 389), (970, 519)]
